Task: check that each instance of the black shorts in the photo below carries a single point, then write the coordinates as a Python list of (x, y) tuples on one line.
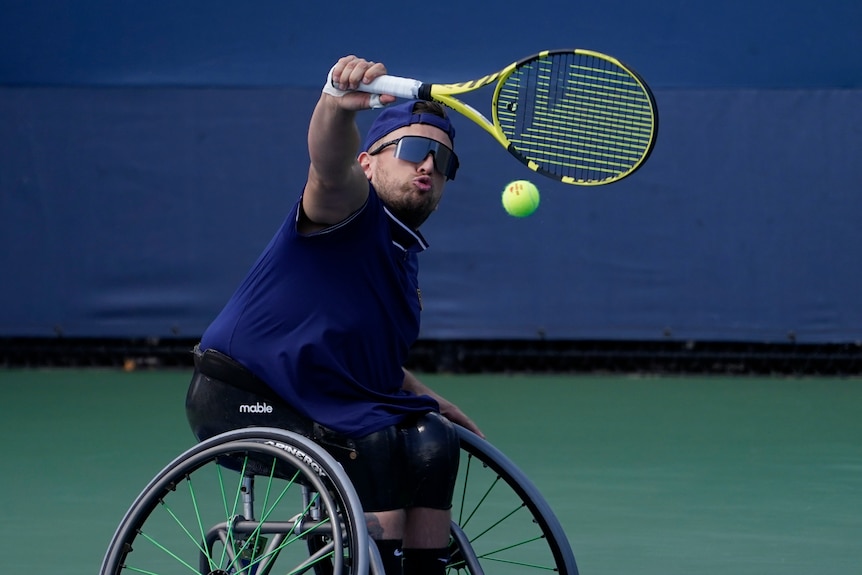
[(411, 464)]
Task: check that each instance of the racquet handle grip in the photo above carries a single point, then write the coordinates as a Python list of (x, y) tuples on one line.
[(393, 86)]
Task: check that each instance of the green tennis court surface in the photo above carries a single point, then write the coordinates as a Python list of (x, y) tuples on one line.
[(673, 475)]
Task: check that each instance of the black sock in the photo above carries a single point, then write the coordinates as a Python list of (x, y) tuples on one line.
[(390, 553), (425, 561)]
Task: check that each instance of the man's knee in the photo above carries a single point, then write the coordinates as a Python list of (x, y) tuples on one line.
[(433, 452)]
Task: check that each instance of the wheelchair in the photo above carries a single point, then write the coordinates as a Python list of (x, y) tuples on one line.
[(260, 501)]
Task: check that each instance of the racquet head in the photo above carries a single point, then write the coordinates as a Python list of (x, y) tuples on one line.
[(576, 115)]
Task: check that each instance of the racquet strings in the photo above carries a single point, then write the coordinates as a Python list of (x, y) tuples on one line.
[(576, 116)]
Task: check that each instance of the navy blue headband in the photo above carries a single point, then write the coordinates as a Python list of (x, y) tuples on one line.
[(400, 115)]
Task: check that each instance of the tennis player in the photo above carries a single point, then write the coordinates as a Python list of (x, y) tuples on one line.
[(315, 337)]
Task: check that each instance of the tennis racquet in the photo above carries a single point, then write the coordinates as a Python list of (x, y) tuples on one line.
[(577, 116)]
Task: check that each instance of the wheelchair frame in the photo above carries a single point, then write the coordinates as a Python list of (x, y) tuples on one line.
[(286, 504)]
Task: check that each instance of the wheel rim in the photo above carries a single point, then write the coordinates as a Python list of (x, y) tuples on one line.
[(191, 518)]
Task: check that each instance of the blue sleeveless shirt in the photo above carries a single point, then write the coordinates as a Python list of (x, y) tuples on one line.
[(327, 319)]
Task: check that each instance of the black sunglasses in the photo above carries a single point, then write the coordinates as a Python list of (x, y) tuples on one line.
[(416, 148)]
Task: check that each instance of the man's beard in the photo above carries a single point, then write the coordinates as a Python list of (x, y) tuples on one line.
[(411, 208)]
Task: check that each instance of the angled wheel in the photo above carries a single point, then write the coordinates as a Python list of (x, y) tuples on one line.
[(501, 524), (251, 501)]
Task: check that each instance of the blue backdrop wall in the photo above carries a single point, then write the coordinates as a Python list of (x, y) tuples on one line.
[(148, 150)]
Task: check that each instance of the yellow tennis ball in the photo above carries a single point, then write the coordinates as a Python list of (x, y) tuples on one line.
[(520, 198)]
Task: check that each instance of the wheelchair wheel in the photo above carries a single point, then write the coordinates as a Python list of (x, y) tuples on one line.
[(251, 501), (501, 524)]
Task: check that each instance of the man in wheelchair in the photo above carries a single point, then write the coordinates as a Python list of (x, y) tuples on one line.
[(315, 337)]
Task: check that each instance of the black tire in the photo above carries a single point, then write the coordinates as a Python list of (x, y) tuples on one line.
[(501, 524)]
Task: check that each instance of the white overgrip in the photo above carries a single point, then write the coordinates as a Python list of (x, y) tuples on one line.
[(393, 86)]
